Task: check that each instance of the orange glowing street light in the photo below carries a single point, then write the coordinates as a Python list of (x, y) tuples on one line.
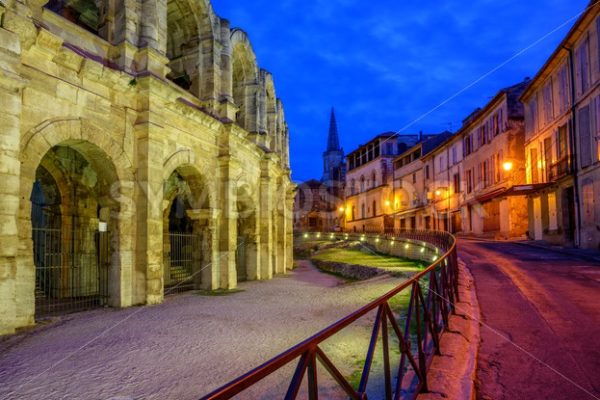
[(508, 166), (342, 209)]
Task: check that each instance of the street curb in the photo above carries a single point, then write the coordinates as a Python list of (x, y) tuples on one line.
[(453, 374)]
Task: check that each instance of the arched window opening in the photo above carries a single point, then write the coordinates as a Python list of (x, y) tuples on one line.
[(88, 14)]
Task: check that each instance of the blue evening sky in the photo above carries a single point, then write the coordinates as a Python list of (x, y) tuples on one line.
[(383, 64)]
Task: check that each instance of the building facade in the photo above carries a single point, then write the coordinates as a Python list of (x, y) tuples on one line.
[(143, 151), (562, 139), (494, 164), (413, 186), (369, 199)]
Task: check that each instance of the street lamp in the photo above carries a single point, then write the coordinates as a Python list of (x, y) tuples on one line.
[(507, 166)]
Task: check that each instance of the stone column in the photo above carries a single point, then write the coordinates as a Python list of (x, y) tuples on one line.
[(206, 226), (149, 261), (266, 226), (227, 222), (17, 285), (227, 108), (289, 229)]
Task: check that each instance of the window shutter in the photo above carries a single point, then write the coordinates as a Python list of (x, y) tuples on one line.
[(585, 143)]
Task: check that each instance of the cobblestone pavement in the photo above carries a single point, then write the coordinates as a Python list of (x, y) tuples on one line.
[(189, 345), (541, 315)]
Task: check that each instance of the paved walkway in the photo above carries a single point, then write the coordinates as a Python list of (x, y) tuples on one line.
[(190, 344), (541, 315)]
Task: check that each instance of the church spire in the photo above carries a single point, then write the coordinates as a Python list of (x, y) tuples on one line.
[(333, 141)]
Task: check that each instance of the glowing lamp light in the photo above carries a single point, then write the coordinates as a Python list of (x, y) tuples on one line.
[(435, 258), (305, 235), (342, 209), (438, 192), (423, 250), (318, 235), (387, 203), (407, 246), (508, 166)]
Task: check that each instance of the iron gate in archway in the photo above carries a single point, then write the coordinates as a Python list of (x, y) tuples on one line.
[(184, 261), (71, 269)]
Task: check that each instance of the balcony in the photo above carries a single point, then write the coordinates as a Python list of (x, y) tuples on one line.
[(559, 169)]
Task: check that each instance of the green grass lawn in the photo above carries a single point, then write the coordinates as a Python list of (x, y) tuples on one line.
[(357, 257)]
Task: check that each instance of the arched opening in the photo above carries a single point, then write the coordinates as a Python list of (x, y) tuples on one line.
[(89, 14), (189, 46), (247, 237), (71, 229), (186, 249), (245, 81), (272, 115)]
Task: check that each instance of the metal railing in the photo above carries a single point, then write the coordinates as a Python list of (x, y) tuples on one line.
[(425, 319)]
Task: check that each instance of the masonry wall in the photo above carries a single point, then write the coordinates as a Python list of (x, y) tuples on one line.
[(112, 103)]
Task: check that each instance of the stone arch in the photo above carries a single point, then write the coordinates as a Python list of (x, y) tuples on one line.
[(92, 15), (108, 180), (188, 225), (245, 81), (190, 46)]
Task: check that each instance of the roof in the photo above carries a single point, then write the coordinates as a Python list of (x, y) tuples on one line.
[(515, 107)]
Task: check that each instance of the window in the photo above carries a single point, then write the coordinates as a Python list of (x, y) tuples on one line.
[(495, 125), (585, 137), (353, 187), (362, 211), (501, 121), (456, 183), (469, 180), (533, 156), (583, 66), (532, 113), (414, 178), (454, 157), (374, 180), (485, 173), (374, 208), (467, 145), (427, 172), (561, 142), (563, 89), (548, 156), (498, 166), (362, 183), (548, 104), (353, 213)]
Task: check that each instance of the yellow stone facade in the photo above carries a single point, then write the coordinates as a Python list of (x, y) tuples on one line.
[(163, 101)]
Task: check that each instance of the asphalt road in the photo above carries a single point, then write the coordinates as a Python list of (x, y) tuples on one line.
[(540, 337)]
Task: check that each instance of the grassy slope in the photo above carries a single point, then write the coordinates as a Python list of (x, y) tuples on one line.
[(357, 257)]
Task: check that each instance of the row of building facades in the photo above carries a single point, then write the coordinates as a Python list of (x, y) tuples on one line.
[(526, 165), (143, 151)]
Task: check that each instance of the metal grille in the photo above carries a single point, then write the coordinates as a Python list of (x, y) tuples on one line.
[(184, 262), (69, 278)]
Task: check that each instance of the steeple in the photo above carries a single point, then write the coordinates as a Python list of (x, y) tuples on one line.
[(334, 167), (333, 141)]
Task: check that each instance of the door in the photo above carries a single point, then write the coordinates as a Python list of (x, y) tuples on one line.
[(537, 218)]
